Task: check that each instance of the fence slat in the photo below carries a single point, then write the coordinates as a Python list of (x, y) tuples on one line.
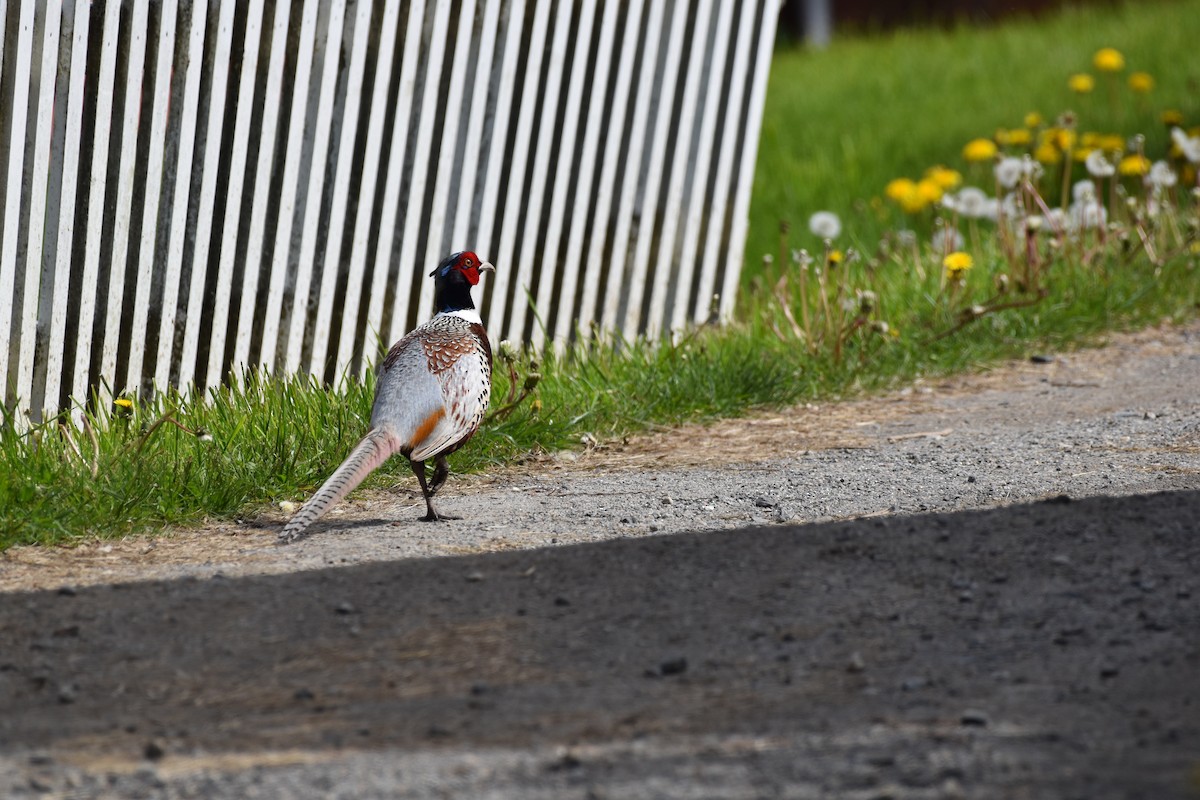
[(537, 188), (262, 187), (591, 303), (618, 286), (573, 261), (55, 363), (139, 30), (423, 150), (489, 32), (16, 176), (106, 87), (694, 219), (562, 181), (233, 208), (725, 162), (339, 204), (753, 120), (488, 210), (311, 213), (160, 117), (291, 184), (208, 197), (663, 271), (370, 175), (654, 174), (455, 110), (520, 158), (182, 196), (38, 190)]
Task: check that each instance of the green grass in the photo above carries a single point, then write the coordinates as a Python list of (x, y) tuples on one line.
[(840, 124)]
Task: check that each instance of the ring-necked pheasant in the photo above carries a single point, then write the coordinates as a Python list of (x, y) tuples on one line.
[(431, 395)]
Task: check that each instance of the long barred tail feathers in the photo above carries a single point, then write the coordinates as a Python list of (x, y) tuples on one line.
[(375, 448)]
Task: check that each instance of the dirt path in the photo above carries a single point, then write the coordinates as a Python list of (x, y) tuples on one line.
[(985, 587)]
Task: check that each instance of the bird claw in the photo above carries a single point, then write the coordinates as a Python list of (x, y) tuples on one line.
[(435, 517)]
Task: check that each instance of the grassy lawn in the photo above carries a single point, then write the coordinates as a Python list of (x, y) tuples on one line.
[(842, 122), (876, 307)]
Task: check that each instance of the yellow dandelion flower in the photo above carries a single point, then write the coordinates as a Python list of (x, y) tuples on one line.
[(903, 192), (1080, 154), (979, 150), (957, 264), (1063, 138), (944, 177), (1172, 116), (123, 402), (836, 257), (1141, 82), (1047, 153), (1134, 165), (929, 191), (1033, 120), (1081, 83), (1112, 142), (1020, 137), (899, 188), (1108, 59)]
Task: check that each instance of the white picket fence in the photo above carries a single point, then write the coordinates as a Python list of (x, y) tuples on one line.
[(192, 187)]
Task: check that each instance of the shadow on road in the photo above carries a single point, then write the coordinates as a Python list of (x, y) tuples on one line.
[(1065, 634)]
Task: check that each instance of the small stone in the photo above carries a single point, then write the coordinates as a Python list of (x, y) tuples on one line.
[(653, 528), (68, 693), (674, 666), (763, 502), (970, 479), (561, 601), (1109, 671), (1041, 359), (153, 750), (1150, 415), (974, 718), (67, 591), (345, 609), (474, 577), (856, 663)]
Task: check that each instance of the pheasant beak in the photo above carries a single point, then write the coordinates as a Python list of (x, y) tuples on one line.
[(487, 267)]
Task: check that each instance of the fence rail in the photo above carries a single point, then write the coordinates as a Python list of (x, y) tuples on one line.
[(192, 188)]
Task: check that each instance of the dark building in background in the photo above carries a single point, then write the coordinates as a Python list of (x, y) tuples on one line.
[(797, 16)]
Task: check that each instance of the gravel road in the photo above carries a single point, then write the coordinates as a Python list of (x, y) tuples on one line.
[(981, 587)]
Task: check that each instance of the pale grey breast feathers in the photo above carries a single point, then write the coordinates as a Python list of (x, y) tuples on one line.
[(434, 386)]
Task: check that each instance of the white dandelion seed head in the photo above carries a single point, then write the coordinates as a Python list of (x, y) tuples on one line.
[(1009, 171), (947, 240), (1012, 207), (972, 202), (1087, 214), (1056, 219), (1098, 166), (1032, 168), (906, 237), (1161, 176), (1188, 145), (825, 225), (1083, 191)]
